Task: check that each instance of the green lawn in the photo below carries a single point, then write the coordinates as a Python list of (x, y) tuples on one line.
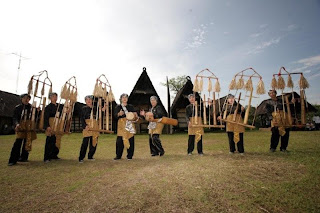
[(217, 182)]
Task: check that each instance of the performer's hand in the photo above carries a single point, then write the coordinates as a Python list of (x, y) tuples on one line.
[(219, 118), (17, 127), (293, 100), (48, 129), (120, 113), (242, 108), (104, 108), (189, 124), (87, 127), (142, 113)]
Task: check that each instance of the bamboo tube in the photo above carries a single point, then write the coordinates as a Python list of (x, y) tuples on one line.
[(107, 113), (204, 110), (63, 118), (33, 118), (41, 122), (236, 110), (196, 113), (100, 113), (288, 110), (303, 107), (214, 109), (246, 116), (56, 121)]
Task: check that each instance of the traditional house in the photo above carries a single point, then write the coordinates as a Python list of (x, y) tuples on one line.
[(140, 99), (294, 108), (8, 102)]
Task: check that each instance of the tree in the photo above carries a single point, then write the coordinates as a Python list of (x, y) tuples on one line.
[(175, 84)]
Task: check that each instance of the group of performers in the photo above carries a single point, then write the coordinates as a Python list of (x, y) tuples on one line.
[(126, 128)]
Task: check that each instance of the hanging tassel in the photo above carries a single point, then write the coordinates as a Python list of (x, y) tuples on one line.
[(303, 83), (42, 90), (281, 83), (111, 96), (64, 91), (290, 82), (233, 84), (248, 85), (274, 83), (30, 86), (36, 88), (196, 85), (95, 90), (201, 85), (50, 90), (240, 83), (209, 85), (75, 95), (68, 92), (260, 88), (100, 90), (217, 86)]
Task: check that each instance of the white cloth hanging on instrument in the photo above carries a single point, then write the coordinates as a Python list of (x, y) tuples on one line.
[(152, 125), (129, 126)]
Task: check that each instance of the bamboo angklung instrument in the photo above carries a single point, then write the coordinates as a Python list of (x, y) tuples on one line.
[(248, 86), (214, 109), (198, 87), (103, 93), (38, 97), (280, 85), (68, 97)]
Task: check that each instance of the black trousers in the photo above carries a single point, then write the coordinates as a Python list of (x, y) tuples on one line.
[(232, 144), (83, 150), (18, 153), (275, 139), (120, 147), (191, 142), (51, 151), (155, 144)]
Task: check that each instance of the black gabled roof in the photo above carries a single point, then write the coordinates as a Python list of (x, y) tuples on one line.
[(8, 102), (143, 89)]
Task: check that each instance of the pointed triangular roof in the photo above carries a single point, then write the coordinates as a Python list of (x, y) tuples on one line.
[(181, 99), (143, 90)]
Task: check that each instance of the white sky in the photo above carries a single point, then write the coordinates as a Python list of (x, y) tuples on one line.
[(170, 38)]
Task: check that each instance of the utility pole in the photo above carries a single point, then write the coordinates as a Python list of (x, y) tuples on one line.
[(18, 71)]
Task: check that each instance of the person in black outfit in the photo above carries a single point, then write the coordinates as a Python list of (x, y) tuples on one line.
[(90, 138), (51, 151), (195, 133), (125, 129), (21, 112), (274, 108), (234, 131), (155, 128)]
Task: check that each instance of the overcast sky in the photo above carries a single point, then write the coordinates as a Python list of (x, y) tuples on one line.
[(170, 38)]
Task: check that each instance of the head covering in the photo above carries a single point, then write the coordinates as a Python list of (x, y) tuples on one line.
[(191, 95), (89, 97), (154, 97), (273, 90), (52, 94), (123, 95), (25, 94)]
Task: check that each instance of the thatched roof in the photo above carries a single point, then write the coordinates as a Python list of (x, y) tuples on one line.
[(181, 99), (140, 95), (8, 102), (261, 109)]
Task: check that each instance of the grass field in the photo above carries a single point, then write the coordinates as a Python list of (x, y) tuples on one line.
[(216, 182)]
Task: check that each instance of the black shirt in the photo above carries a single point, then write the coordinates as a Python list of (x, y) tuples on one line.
[(50, 112), (271, 105), (118, 108), (85, 114), (157, 112), (191, 111), (18, 113)]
